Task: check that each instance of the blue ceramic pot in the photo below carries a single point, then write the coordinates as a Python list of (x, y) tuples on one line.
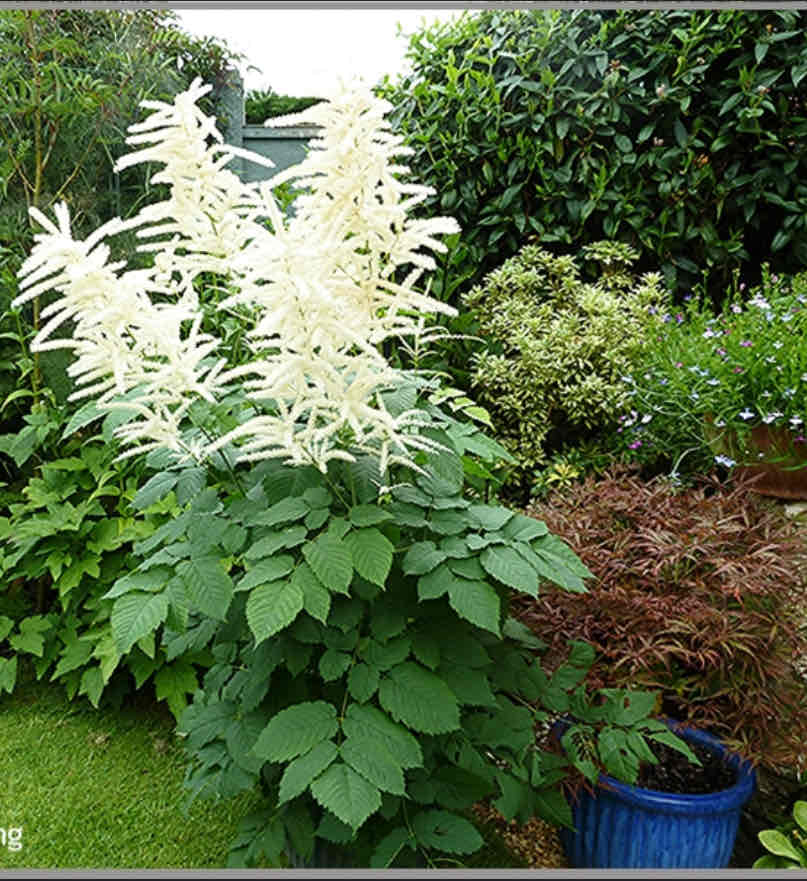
[(629, 827)]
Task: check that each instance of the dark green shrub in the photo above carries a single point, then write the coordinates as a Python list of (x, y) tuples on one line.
[(559, 345), (260, 105), (680, 133)]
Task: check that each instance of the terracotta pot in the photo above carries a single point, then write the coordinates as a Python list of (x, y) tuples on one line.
[(781, 470)]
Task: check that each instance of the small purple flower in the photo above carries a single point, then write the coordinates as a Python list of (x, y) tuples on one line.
[(736, 309), (774, 278), (708, 333), (721, 352), (681, 364), (667, 318), (725, 461), (635, 445), (738, 370), (687, 297), (746, 344), (663, 380), (742, 285), (799, 439), (679, 318)]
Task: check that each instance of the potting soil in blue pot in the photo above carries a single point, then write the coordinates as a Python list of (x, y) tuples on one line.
[(629, 827)]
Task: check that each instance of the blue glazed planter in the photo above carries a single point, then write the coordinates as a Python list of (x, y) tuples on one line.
[(629, 827)]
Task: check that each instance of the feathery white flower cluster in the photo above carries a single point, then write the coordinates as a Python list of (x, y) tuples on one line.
[(319, 287)]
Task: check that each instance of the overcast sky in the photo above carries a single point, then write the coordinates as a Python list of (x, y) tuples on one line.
[(300, 51)]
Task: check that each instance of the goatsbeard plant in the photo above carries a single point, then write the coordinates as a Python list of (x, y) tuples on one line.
[(351, 595)]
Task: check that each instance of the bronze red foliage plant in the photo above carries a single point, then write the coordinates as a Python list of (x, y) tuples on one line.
[(698, 592)]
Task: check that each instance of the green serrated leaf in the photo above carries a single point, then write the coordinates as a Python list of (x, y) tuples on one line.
[(368, 515), (8, 674), (135, 616), (490, 517), (330, 559), (476, 601), (371, 552), (346, 794), (266, 570), (271, 607), (422, 557), (508, 566), (284, 511), (333, 664), (92, 684), (155, 489), (369, 721), (270, 544), (362, 681), (296, 730), (173, 682), (208, 586), (374, 762), (446, 832), (316, 599), (302, 771), (420, 699)]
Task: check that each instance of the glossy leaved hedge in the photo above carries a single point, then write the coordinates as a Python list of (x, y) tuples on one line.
[(678, 132)]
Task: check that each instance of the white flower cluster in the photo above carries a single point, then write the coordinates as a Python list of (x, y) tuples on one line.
[(318, 288)]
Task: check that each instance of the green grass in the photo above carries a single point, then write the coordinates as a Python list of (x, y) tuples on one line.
[(102, 788)]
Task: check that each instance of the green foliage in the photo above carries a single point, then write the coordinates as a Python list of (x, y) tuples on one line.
[(263, 104), (66, 541), (617, 735), (366, 672), (679, 132), (558, 346), (787, 844)]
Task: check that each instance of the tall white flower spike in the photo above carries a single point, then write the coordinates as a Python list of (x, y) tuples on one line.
[(318, 289)]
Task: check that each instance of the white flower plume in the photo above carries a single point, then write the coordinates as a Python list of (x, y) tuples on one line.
[(319, 290)]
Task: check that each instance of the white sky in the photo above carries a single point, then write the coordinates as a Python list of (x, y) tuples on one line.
[(300, 51)]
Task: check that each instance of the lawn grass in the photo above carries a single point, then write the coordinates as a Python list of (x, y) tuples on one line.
[(102, 788)]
